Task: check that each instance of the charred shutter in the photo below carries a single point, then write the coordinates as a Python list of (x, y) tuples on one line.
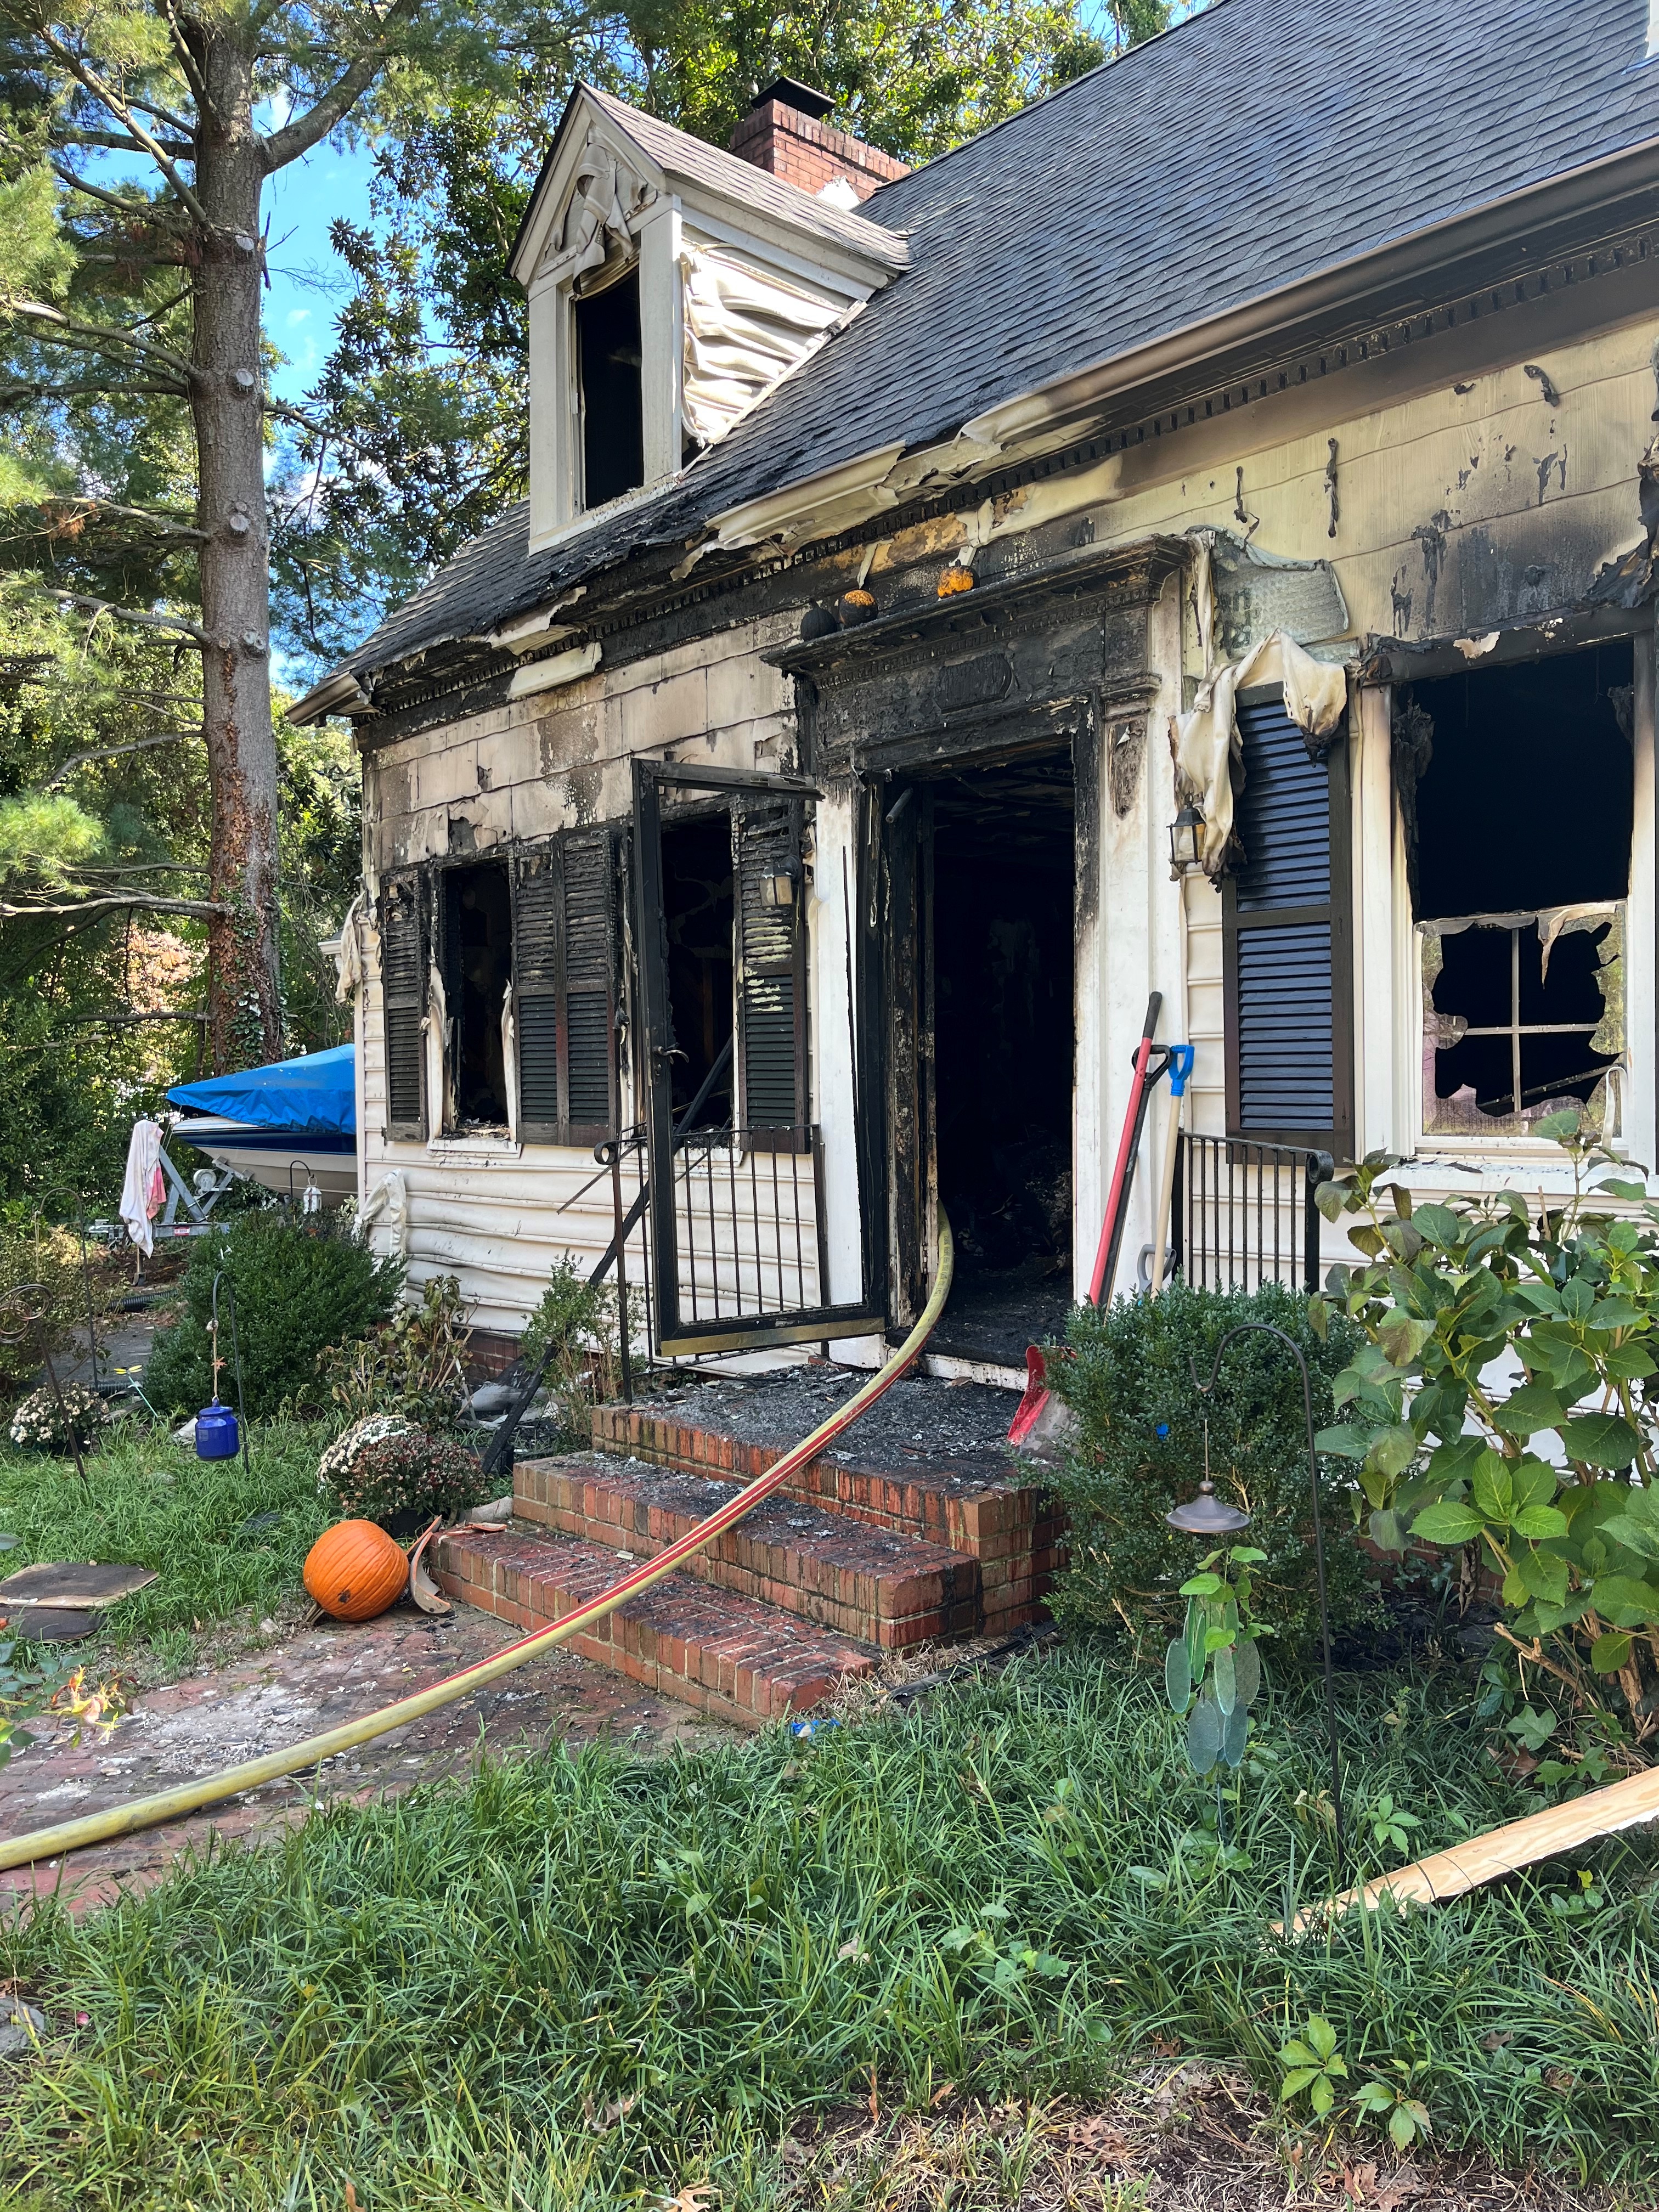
[(538, 942), (590, 970), (402, 991), (564, 966), (1289, 948), (766, 840)]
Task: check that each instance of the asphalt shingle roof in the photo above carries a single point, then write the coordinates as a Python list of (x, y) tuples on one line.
[(1261, 142)]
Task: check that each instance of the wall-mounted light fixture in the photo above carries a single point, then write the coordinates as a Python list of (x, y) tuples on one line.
[(1186, 836)]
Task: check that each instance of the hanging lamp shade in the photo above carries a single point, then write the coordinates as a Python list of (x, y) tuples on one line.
[(1206, 1515)]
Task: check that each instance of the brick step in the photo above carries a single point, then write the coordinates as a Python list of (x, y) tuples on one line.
[(712, 1649), (902, 1468), (885, 1589)]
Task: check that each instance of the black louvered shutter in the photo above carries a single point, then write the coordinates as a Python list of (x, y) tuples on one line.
[(537, 941), (589, 922), (402, 992), (771, 1013), (565, 964), (1289, 943)]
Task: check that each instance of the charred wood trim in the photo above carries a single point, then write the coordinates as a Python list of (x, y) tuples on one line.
[(1395, 661), (1093, 572), (986, 739)]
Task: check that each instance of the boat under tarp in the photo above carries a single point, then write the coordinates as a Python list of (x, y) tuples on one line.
[(282, 1126)]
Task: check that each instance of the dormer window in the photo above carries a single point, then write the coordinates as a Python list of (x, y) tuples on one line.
[(612, 394), (672, 286)]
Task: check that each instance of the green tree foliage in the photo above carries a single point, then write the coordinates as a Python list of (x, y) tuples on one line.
[(420, 418)]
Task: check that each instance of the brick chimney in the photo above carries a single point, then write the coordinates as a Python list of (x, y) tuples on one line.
[(785, 133)]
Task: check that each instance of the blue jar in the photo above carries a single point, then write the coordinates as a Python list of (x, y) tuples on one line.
[(216, 1433)]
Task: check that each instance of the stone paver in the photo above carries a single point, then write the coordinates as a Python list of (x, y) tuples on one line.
[(314, 1681)]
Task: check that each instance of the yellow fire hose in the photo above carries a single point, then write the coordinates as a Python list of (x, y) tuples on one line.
[(232, 1781)]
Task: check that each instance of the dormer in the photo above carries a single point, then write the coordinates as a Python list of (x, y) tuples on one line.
[(670, 285)]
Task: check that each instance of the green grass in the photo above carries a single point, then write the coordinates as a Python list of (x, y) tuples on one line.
[(150, 1503), (450, 2000)]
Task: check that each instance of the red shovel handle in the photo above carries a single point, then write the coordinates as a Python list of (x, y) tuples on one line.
[(1116, 1196)]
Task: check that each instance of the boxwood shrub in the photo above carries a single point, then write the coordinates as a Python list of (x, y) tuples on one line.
[(298, 1290), (1125, 1372)]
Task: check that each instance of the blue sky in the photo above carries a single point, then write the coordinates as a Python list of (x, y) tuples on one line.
[(307, 285)]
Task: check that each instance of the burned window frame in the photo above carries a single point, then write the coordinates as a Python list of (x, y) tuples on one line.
[(1409, 729), (422, 888)]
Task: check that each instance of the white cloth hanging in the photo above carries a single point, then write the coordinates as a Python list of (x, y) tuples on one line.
[(138, 1191)]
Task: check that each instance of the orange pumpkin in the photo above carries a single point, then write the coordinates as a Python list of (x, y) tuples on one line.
[(355, 1571)]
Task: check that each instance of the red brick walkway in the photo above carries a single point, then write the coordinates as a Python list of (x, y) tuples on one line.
[(311, 1681)]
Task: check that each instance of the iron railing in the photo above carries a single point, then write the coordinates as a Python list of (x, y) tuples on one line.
[(749, 1225), (1245, 1214)]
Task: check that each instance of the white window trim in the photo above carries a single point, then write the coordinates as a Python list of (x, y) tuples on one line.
[(1388, 970)]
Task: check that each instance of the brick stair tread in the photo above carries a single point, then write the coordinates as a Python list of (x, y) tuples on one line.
[(872, 1583), (715, 1649)]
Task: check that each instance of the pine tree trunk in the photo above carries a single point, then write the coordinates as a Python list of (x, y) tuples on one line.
[(245, 1022)]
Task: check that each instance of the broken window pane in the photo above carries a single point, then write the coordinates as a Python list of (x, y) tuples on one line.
[(1523, 1014), (1521, 797)]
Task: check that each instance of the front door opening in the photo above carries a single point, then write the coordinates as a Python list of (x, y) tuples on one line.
[(697, 912), (1520, 787), (1001, 944), (478, 964)]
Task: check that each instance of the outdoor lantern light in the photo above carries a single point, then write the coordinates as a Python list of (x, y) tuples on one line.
[(1185, 832), (1207, 1516)]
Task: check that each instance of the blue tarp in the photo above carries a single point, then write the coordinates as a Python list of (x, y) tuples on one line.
[(315, 1093)]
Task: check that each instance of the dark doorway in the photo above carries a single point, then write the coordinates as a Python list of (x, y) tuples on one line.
[(613, 415), (478, 970), (1001, 950), (697, 911)]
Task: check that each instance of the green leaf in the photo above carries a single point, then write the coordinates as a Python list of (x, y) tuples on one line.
[(1204, 1730), (1563, 1123), (1401, 1337), (1235, 1735), (1493, 1488), (1178, 1675), (1577, 1297), (1224, 1678), (1393, 1450), (1300, 2078), (1203, 1586), (1446, 1523), (1344, 1442), (1610, 1651), (1533, 1406), (1541, 1573), (1319, 1319), (1629, 1363), (1438, 1224), (1332, 1199), (1387, 1530), (1323, 2036), (1620, 1186), (1540, 1523), (1600, 1439), (1624, 1595)]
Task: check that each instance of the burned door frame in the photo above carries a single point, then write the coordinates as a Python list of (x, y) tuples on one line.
[(1046, 657), (678, 1332)]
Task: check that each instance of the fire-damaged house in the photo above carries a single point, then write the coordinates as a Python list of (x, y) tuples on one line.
[(781, 800)]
